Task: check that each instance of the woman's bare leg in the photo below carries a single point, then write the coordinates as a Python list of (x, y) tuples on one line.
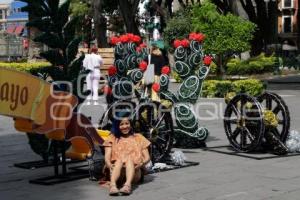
[(129, 172), (116, 172)]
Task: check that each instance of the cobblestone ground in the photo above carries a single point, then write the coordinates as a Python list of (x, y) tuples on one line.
[(218, 176)]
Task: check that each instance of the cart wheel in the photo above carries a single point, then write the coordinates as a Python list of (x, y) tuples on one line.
[(105, 122), (243, 123), (155, 122), (273, 102)]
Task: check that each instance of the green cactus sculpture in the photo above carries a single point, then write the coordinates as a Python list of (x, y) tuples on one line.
[(192, 66)]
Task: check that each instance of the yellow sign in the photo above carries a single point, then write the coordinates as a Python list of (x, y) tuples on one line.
[(25, 96)]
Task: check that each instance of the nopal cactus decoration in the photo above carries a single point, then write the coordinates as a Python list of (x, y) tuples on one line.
[(192, 65), (128, 66)]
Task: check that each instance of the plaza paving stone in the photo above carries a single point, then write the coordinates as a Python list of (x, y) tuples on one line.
[(217, 177)]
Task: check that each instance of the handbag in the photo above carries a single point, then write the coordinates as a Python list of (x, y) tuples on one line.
[(149, 73), (96, 164)]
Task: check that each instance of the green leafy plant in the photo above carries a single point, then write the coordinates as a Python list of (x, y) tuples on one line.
[(26, 67), (219, 88), (177, 27), (255, 65), (57, 31), (225, 34)]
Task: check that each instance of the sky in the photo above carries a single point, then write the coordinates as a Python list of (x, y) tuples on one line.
[(5, 1)]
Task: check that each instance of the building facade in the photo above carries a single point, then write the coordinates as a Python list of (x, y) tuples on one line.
[(12, 19), (4, 13), (17, 19), (288, 24)]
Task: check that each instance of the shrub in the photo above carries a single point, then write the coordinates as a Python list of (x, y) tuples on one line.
[(209, 88), (213, 68), (219, 88), (252, 87), (36, 68), (291, 62), (26, 67), (255, 65)]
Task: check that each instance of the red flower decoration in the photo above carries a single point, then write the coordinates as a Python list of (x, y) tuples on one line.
[(165, 70), (199, 37), (143, 65), (143, 45), (185, 43), (114, 40), (112, 70), (156, 87), (207, 60), (138, 49), (192, 36), (124, 38), (130, 37), (137, 39), (176, 43), (107, 90)]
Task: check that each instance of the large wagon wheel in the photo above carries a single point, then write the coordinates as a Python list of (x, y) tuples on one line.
[(105, 122), (243, 123), (155, 122), (273, 102)]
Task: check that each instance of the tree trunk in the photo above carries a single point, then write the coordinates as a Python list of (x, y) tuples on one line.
[(220, 66), (34, 48), (128, 12), (99, 24)]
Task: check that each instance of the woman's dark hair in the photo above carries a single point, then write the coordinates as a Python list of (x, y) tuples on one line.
[(116, 123)]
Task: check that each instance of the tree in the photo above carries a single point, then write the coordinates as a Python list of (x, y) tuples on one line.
[(98, 10), (264, 15), (129, 9), (225, 34), (100, 23), (178, 27), (188, 3), (57, 31), (82, 10)]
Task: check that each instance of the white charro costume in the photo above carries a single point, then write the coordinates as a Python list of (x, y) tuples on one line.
[(93, 62)]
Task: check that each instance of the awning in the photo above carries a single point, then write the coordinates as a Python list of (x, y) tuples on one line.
[(11, 29), (19, 29)]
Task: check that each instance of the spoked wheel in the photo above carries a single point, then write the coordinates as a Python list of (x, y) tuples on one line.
[(105, 122), (243, 123), (273, 102), (155, 122)]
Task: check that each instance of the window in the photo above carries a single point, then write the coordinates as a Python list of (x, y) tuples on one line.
[(287, 3), (287, 24), (1, 17)]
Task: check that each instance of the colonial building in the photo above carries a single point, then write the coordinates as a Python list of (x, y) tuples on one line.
[(17, 19), (4, 12), (12, 19), (288, 24)]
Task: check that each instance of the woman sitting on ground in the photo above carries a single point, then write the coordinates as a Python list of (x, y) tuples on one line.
[(125, 151)]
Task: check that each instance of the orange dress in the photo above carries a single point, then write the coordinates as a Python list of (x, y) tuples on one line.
[(127, 148)]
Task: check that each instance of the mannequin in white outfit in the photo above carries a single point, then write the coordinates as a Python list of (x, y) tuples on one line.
[(93, 62)]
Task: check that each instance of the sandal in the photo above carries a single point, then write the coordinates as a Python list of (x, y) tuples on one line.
[(125, 190), (113, 190)]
